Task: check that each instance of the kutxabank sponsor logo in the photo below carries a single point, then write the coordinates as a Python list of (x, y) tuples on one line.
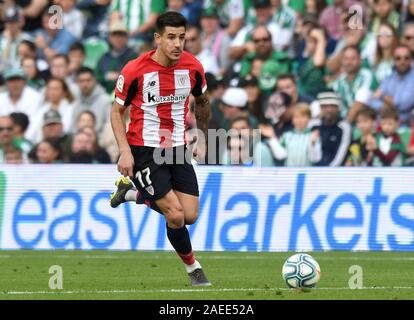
[(152, 98)]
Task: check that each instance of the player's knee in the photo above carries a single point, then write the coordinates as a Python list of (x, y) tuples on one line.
[(192, 218), (174, 215)]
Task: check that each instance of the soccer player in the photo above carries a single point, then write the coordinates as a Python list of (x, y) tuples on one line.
[(157, 86)]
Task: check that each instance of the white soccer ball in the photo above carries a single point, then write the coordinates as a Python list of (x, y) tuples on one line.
[(301, 271)]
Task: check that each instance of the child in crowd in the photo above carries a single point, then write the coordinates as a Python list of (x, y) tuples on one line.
[(358, 155), (386, 145), (299, 147)]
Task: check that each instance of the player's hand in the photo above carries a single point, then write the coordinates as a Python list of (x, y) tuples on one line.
[(126, 164)]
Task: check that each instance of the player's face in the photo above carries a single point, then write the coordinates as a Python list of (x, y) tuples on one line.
[(171, 42)]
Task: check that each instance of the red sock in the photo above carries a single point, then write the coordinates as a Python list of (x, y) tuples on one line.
[(188, 258)]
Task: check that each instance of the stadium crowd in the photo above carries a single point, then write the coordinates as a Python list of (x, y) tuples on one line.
[(328, 83)]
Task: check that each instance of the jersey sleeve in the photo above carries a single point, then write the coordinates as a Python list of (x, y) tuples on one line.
[(200, 80), (126, 86)]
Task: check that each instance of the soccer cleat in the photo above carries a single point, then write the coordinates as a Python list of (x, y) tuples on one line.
[(123, 184), (198, 278)]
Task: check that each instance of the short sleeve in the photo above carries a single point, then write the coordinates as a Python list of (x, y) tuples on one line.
[(200, 81), (126, 86), (236, 9)]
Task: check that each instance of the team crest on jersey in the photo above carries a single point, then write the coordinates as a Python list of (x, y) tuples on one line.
[(150, 190), (120, 83), (182, 81)]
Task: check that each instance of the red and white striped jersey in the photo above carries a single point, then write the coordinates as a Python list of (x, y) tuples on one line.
[(159, 98)]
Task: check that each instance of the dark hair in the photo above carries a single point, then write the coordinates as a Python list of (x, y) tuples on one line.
[(30, 44), (65, 87), (170, 19), (240, 118), (286, 76), (61, 56), (367, 112), (20, 119), (53, 142), (352, 47), (89, 113), (81, 156), (77, 46), (379, 53), (83, 70), (389, 113)]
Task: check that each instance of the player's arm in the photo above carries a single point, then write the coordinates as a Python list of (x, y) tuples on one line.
[(126, 160), (202, 113)]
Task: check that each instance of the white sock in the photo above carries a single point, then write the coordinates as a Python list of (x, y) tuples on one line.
[(131, 195), (192, 267)]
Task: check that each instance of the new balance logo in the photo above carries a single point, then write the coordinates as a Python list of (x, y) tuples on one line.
[(152, 83), (164, 99)]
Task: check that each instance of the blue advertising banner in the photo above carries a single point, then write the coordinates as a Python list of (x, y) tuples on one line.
[(241, 209)]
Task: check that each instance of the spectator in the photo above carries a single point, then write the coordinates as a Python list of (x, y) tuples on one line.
[(285, 18), (299, 147), (76, 57), (13, 156), (32, 11), (19, 97), (11, 37), (52, 128), (274, 62), (311, 67), (86, 119), (92, 97), (410, 144), (242, 43), (386, 44), (95, 12), (27, 49), (331, 18), (396, 90), (99, 154), (111, 62), (215, 39), (243, 149), (6, 137), (231, 13), (365, 41), (59, 68), (286, 83), (358, 155), (47, 152), (354, 85), (140, 17), (409, 13), (179, 6), (384, 13), (255, 97), (233, 104), (52, 40), (81, 148), (20, 124), (408, 36), (335, 133), (314, 8), (34, 79), (73, 19), (57, 97), (193, 45), (386, 145), (278, 116)]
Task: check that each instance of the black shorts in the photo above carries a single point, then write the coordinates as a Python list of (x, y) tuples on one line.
[(155, 180)]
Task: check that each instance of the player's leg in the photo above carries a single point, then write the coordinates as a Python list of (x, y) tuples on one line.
[(179, 237), (190, 204)]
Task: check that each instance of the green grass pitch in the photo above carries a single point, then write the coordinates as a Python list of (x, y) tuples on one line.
[(235, 275)]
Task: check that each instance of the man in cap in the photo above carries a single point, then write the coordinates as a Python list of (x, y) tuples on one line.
[(53, 129), (335, 133), (108, 67), (18, 97)]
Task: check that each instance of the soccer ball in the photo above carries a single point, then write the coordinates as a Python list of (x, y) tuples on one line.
[(301, 271)]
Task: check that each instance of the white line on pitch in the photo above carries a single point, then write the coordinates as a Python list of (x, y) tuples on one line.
[(188, 290)]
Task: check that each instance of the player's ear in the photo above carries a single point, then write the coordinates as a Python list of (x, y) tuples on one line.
[(157, 37)]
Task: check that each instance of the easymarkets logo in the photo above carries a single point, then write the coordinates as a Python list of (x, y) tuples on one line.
[(2, 198)]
